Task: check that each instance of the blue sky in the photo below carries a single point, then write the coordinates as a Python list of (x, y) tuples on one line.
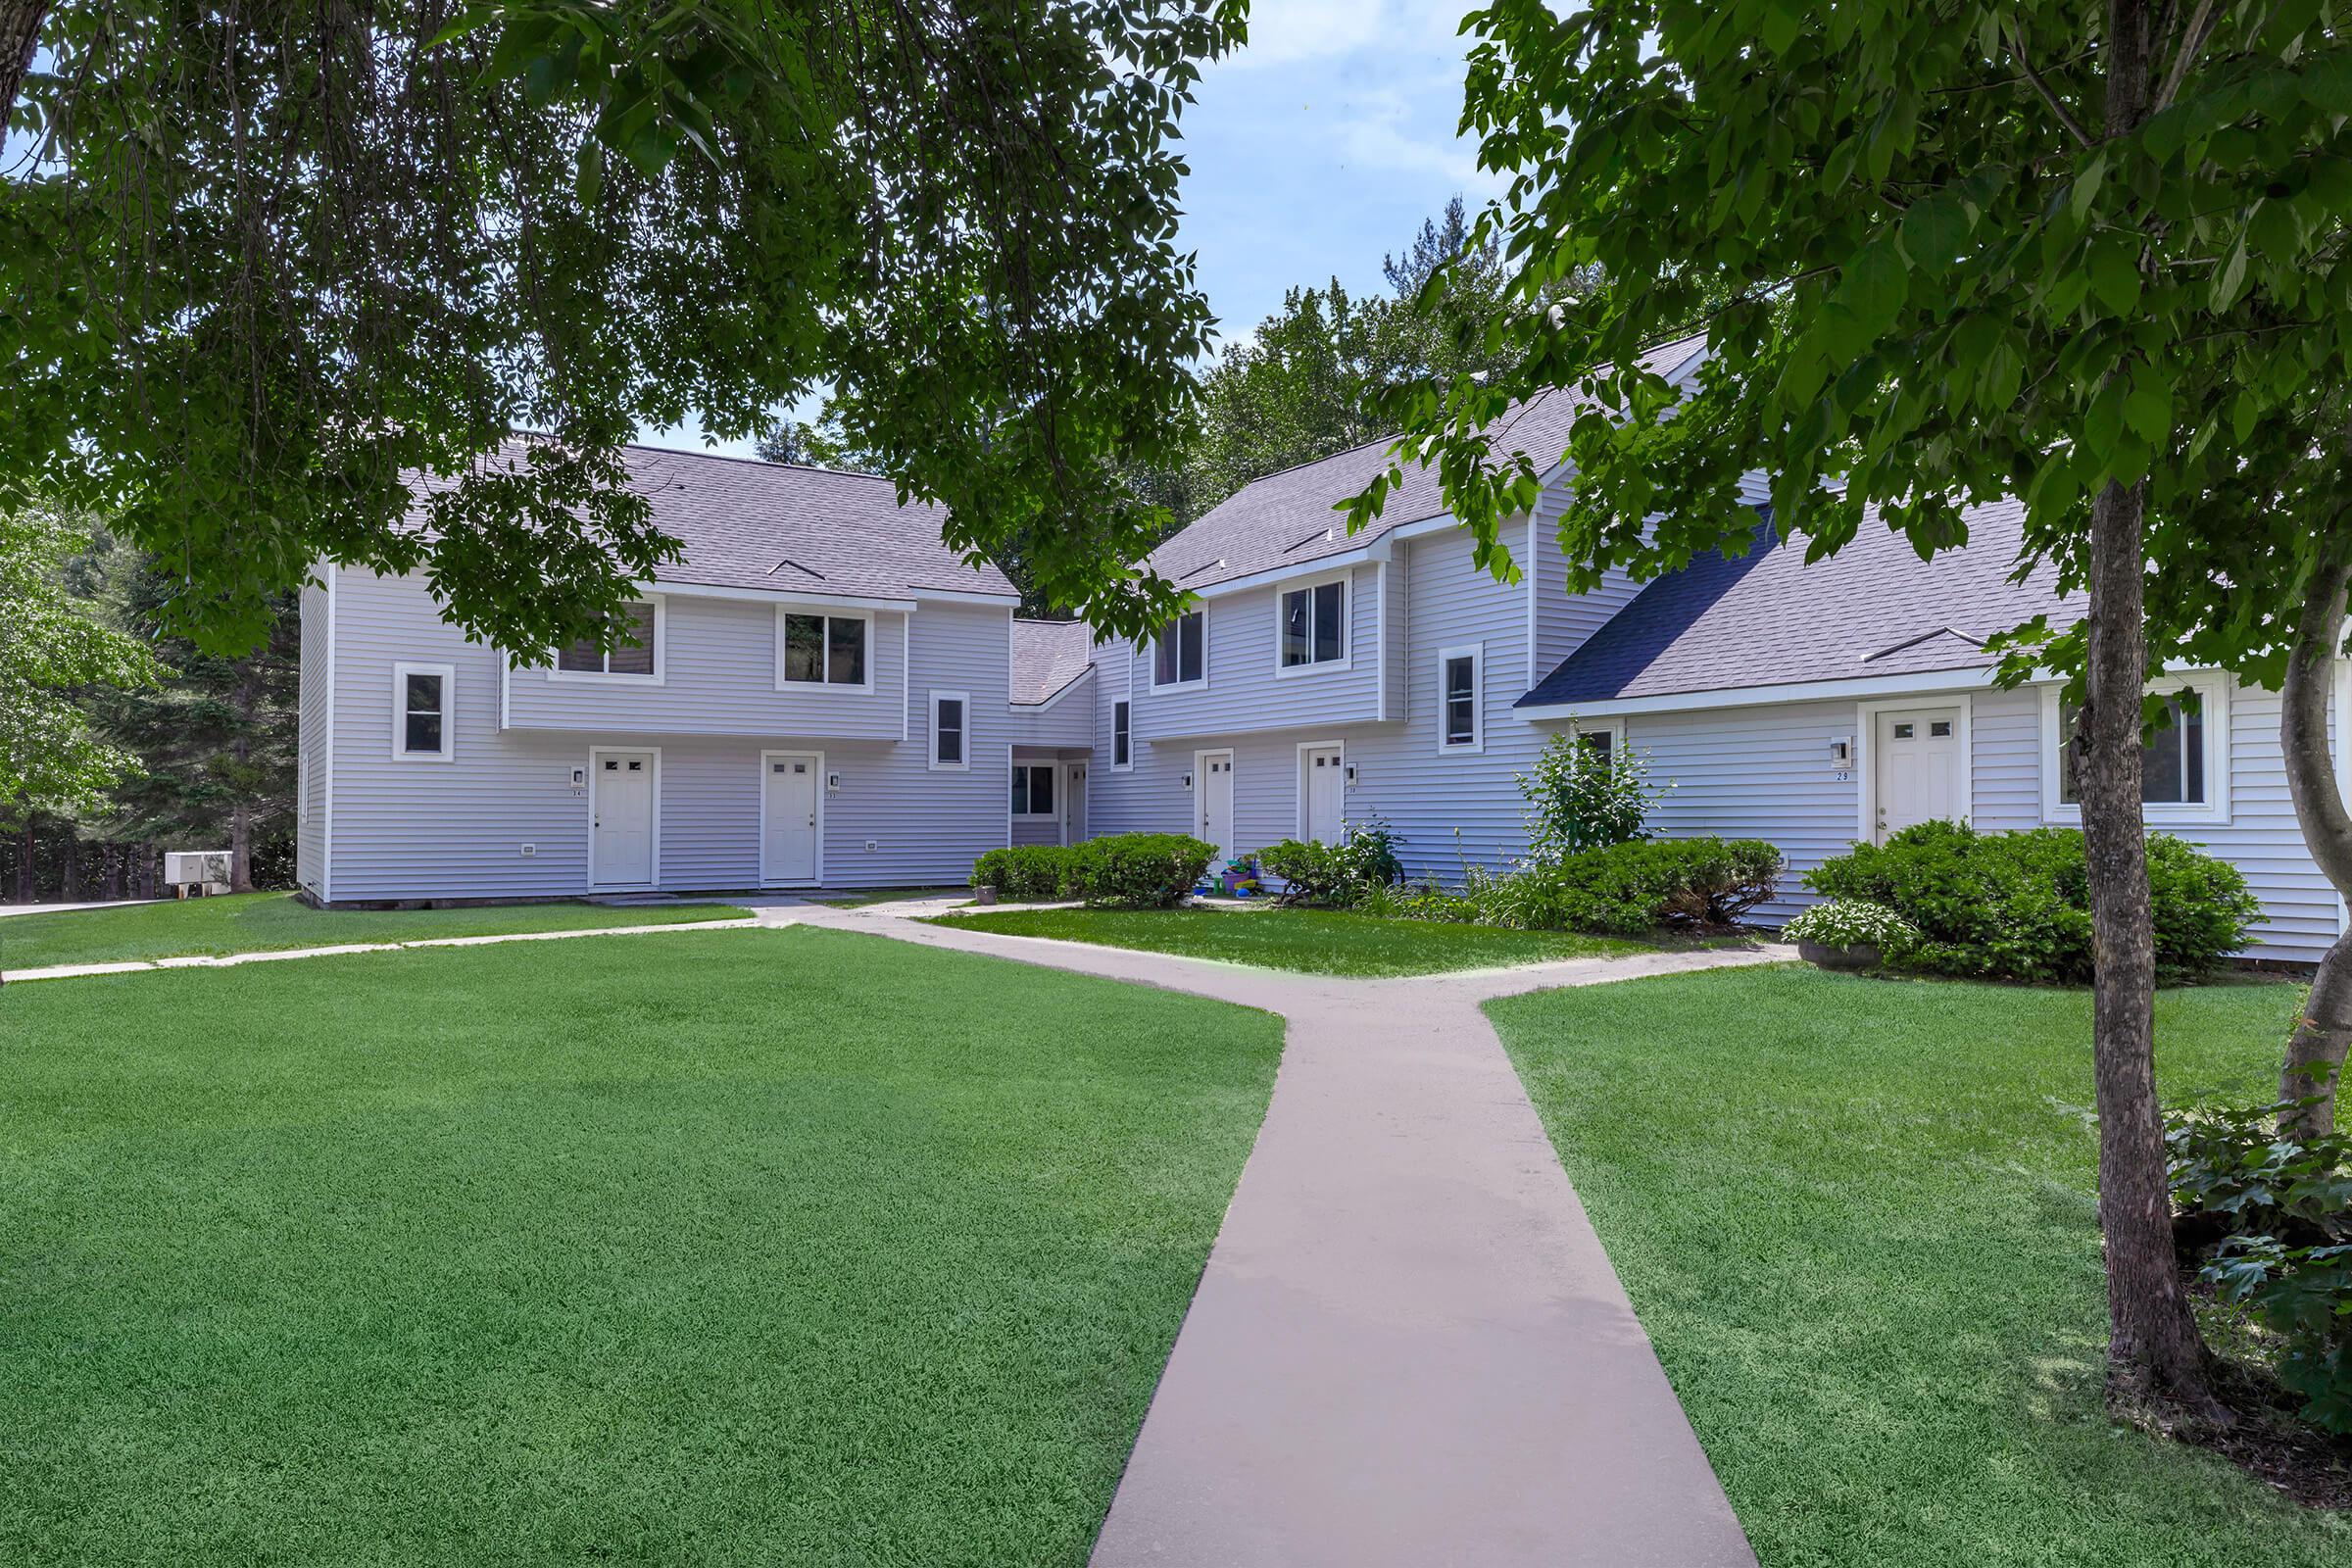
[(1316, 149)]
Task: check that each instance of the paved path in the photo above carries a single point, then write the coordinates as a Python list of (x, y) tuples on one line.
[(7, 909), (1408, 1346), (232, 960)]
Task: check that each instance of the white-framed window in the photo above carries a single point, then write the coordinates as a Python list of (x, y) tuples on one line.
[(1310, 627), (1461, 699), (1180, 653), (423, 713), (1602, 739), (1033, 789), (2184, 766), (830, 649), (1122, 735), (635, 656), (951, 730)]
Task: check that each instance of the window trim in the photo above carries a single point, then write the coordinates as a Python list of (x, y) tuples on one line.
[(829, 614), (965, 728), (1117, 767), (1052, 814), (1151, 652), (1475, 653), (606, 677), (2212, 686), (401, 671), (1307, 586)]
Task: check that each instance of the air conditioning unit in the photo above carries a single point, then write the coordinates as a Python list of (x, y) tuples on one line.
[(206, 871)]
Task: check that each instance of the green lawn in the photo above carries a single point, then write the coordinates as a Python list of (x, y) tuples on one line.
[(802, 1248), (260, 922), (1314, 940), (1857, 1218)]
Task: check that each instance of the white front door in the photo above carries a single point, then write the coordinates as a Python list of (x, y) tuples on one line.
[(1918, 769), (1073, 803), (789, 810), (1212, 787), (1324, 782), (621, 808)]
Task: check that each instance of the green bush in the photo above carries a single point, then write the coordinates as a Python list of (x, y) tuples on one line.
[(1025, 872), (1636, 887), (2016, 906), (2270, 1219), (1369, 852), (1138, 870), (1580, 800), (1854, 923), (1312, 872), (1421, 902)]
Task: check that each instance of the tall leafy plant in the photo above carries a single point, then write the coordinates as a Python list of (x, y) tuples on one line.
[(1580, 797)]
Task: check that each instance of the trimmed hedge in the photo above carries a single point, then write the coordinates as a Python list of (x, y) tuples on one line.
[(1636, 887), (2016, 906), (1141, 870)]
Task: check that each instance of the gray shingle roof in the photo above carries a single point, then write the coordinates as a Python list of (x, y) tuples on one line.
[(741, 521), (1047, 656), (1285, 518), (1767, 618)]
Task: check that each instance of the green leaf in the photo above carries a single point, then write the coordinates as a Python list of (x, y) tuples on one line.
[(590, 180), (1934, 229), (2229, 280), (2114, 263), (1874, 285), (2148, 405)]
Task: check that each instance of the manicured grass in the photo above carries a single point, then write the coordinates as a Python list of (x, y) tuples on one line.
[(1313, 941), (263, 922), (795, 1247), (1857, 1218)]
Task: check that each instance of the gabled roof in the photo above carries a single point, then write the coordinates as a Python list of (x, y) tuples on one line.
[(1047, 657), (1766, 618), (1285, 518), (776, 527)]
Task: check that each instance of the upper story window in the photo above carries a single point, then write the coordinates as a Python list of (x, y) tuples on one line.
[(950, 715), (636, 648), (423, 703), (1312, 625), (816, 649), (1122, 733), (1180, 653), (2183, 764), (1033, 789), (1461, 706)]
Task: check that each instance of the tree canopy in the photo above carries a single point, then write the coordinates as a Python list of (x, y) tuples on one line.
[(1942, 253), (260, 264), (53, 645)]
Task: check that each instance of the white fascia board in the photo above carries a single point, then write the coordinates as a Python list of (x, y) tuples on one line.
[(961, 596), (1064, 690), (1851, 687), (764, 596)]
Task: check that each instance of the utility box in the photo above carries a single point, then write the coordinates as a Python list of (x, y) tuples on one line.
[(206, 871)]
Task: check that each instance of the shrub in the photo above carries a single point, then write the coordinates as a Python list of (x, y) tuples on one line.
[(1370, 853), (1854, 923), (1138, 870), (1635, 888), (2016, 906), (1312, 872), (1025, 872), (1579, 799), (2281, 1210), (1424, 902)]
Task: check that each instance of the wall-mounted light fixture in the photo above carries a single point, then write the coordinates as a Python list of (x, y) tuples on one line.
[(1352, 773), (1841, 751), (833, 781)]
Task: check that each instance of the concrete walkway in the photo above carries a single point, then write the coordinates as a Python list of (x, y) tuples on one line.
[(1408, 1346)]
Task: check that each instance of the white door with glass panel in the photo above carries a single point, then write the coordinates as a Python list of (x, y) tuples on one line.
[(1919, 769), (788, 852), (1212, 787), (622, 814), (1322, 777), (1073, 803)]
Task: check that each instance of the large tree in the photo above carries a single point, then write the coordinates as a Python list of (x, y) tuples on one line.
[(56, 648), (263, 261), (1943, 252)]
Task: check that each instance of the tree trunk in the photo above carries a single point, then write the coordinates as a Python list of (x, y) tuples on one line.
[(2314, 1053), (147, 870), (19, 32), (24, 842), (2155, 1358), (109, 869), (68, 876), (243, 699)]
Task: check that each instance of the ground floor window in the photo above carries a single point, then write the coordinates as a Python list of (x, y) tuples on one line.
[(2182, 761), (1033, 789)]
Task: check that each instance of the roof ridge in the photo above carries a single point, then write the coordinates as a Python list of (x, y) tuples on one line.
[(755, 461)]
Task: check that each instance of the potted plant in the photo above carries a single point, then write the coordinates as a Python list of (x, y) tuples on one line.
[(1851, 934)]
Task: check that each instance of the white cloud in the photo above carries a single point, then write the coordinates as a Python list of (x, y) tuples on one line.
[(1284, 31)]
